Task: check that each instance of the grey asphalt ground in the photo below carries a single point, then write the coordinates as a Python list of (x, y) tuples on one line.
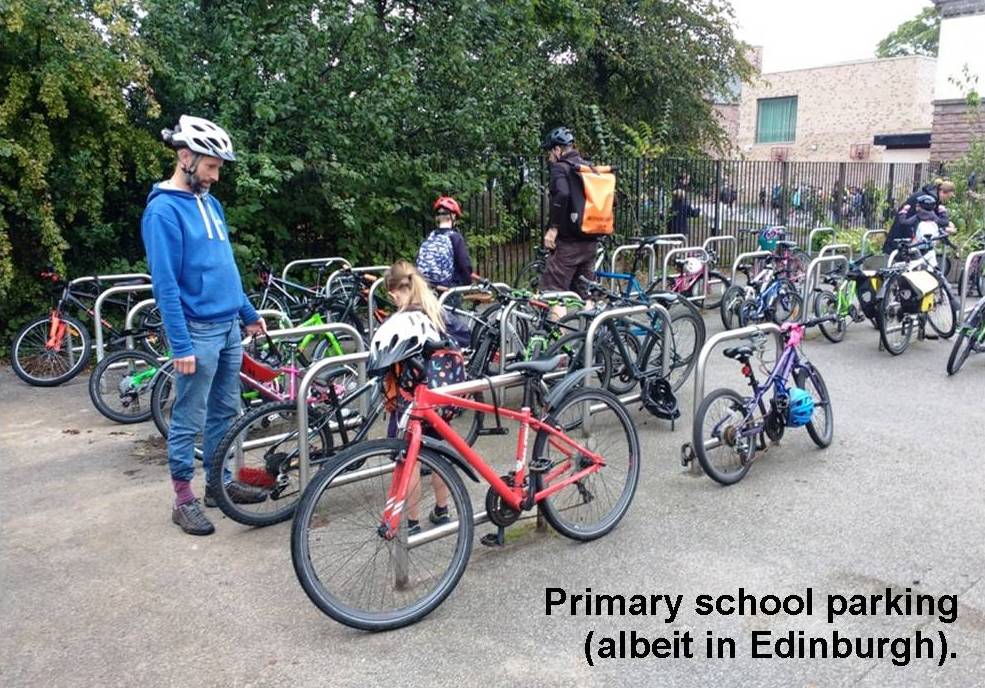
[(98, 588)]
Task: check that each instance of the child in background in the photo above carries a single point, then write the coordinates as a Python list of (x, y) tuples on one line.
[(443, 260)]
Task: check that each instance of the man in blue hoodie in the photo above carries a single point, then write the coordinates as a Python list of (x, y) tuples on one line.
[(200, 296)]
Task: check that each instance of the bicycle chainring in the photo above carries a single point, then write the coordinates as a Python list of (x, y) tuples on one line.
[(500, 513)]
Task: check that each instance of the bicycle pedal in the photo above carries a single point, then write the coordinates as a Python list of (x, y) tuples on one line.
[(494, 431), (687, 454), (540, 464), (496, 539)]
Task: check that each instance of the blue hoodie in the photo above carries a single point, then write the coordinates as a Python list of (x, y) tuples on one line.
[(191, 264)]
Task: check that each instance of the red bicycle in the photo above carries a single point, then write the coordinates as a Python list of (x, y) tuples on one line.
[(357, 542)]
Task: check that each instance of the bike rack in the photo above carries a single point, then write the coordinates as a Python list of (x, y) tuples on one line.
[(356, 271), (699, 372), (651, 266), (814, 232), (701, 252), (280, 317), (132, 315), (97, 317), (111, 278), (831, 248), (371, 301), (620, 313), (731, 240), (745, 256), (810, 278), (507, 312), (314, 261), (869, 233), (963, 287), (469, 289)]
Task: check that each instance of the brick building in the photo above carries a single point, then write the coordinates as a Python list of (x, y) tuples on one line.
[(878, 110), (955, 123)]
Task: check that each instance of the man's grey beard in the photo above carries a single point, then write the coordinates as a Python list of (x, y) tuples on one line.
[(195, 183)]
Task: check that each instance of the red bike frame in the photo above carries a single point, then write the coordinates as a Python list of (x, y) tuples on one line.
[(516, 496)]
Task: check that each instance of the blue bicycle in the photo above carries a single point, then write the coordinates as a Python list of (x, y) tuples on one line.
[(768, 295), (687, 325)]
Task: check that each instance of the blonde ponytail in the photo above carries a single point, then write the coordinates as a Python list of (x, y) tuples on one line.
[(403, 274)]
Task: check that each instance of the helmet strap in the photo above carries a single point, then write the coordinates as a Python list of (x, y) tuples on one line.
[(191, 178)]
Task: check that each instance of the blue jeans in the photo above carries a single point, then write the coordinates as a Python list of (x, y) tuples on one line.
[(206, 401)]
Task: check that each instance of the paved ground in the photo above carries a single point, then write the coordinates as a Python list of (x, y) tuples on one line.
[(98, 588)]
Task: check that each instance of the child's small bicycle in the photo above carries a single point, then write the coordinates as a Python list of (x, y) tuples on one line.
[(729, 428)]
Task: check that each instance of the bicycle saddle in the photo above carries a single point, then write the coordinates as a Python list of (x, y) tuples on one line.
[(738, 352), (787, 244), (539, 366), (665, 297)]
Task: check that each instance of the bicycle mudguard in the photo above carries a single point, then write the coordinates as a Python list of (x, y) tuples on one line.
[(449, 452), (570, 381)]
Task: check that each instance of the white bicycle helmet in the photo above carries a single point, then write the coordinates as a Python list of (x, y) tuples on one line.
[(399, 338), (693, 265), (200, 136)]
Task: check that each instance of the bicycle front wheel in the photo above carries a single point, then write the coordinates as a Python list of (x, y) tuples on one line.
[(822, 423), (162, 395), (723, 450), (592, 506), (40, 361), (826, 304), (349, 570), (120, 386), (729, 307), (718, 284)]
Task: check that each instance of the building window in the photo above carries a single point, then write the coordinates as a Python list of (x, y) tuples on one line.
[(776, 120)]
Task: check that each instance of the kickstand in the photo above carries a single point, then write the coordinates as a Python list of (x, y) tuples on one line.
[(497, 539)]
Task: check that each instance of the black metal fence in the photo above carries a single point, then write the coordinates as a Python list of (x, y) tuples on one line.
[(504, 224)]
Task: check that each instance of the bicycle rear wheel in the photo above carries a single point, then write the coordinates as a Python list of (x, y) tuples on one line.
[(591, 506), (572, 345), (120, 386), (718, 284), (724, 454), (349, 570), (261, 450), (729, 307), (943, 317), (970, 337), (161, 397), (895, 326), (37, 364)]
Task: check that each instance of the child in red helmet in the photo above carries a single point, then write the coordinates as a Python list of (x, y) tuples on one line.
[(443, 260)]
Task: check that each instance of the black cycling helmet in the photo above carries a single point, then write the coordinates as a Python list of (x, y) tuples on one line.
[(927, 202), (561, 136)]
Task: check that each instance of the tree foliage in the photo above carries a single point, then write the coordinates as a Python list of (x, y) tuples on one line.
[(348, 117), (917, 36)]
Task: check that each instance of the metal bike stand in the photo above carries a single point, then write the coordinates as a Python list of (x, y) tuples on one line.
[(132, 315), (280, 317), (356, 271), (97, 317), (111, 278), (593, 327), (371, 306), (745, 256), (651, 265), (831, 248), (507, 313), (324, 262), (687, 250), (810, 279), (870, 233), (963, 287), (469, 289), (730, 240), (814, 233), (699, 373)]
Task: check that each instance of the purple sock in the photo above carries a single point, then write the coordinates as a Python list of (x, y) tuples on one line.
[(183, 492)]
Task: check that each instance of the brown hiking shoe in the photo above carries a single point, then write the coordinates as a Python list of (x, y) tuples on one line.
[(192, 519)]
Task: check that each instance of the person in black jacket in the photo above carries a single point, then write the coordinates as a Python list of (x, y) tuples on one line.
[(941, 190), (681, 209), (573, 252)]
